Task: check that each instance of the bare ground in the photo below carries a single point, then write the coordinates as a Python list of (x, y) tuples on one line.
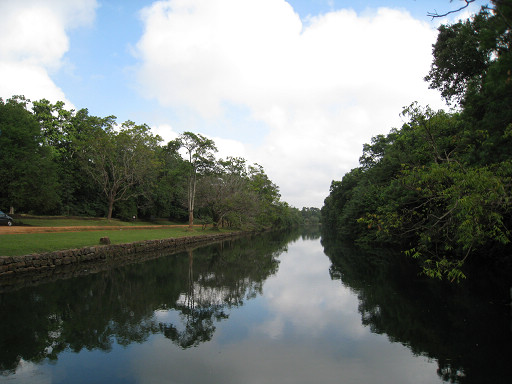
[(5, 230)]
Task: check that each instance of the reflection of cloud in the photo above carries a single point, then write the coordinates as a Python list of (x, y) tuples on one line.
[(258, 360), (311, 332), (28, 372), (273, 328), (304, 329), (315, 303)]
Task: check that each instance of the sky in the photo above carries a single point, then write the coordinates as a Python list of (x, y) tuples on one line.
[(296, 86)]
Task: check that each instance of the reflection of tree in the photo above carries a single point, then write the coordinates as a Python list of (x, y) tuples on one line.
[(199, 326), (91, 312), (234, 272), (311, 232), (457, 325)]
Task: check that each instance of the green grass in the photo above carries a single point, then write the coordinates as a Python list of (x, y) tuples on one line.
[(24, 244)]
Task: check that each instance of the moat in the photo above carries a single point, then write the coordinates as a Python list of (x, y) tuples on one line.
[(272, 308)]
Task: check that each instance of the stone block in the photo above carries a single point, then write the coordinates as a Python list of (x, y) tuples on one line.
[(105, 240)]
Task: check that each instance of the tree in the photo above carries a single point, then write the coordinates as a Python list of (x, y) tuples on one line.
[(457, 210), (29, 180), (416, 189), (472, 61), (227, 195), (55, 123), (310, 215), (269, 205), (121, 162), (440, 186), (61, 131), (460, 59), (200, 157), (170, 189)]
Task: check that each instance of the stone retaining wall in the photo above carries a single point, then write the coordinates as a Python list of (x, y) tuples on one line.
[(30, 269)]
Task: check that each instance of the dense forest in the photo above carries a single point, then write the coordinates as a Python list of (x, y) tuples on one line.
[(439, 187), (55, 161)]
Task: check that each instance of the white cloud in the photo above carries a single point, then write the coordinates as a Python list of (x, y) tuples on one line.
[(230, 148), (33, 41), (226, 147), (29, 80), (323, 87), (165, 131)]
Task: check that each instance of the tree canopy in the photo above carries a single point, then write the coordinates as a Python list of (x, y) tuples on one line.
[(440, 187), (66, 162), (26, 170)]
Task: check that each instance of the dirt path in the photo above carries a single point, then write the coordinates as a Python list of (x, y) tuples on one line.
[(5, 230)]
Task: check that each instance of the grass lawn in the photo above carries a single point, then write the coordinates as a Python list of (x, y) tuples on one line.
[(24, 244)]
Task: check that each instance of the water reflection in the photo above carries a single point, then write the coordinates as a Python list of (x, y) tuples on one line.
[(270, 309), (304, 328), (118, 306), (465, 328)]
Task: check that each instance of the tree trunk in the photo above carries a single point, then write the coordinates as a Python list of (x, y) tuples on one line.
[(110, 209), (190, 219), (191, 197)]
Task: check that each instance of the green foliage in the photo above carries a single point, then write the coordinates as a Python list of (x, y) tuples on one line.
[(459, 58), (226, 196), (29, 179), (311, 215), (440, 187), (200, 160), (242, 196), (169, 195), (56, 161), (121, 162), (437, 207)]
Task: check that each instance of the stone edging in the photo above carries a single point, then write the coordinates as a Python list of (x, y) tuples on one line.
[(85, 260)]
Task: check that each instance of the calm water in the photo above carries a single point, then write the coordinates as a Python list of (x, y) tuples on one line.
[(272, 309)]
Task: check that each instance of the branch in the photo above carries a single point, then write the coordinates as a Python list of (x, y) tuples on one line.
[(446, 213), (435, 14)]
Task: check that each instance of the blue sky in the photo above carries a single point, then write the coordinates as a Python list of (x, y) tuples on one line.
[(295, 86)]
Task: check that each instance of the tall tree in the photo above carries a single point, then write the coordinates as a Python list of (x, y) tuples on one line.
[(61, 131), (122, 162), (268, 195), (227, 193), (459, 60), (29, 180), (200, 157), (471, 65), (170, 190), (55, 123)]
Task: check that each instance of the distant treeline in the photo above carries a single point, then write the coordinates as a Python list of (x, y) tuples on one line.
[(55, 161), (440, 186)]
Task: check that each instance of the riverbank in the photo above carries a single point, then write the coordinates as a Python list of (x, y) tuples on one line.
[(21, 241), (32, 268)]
